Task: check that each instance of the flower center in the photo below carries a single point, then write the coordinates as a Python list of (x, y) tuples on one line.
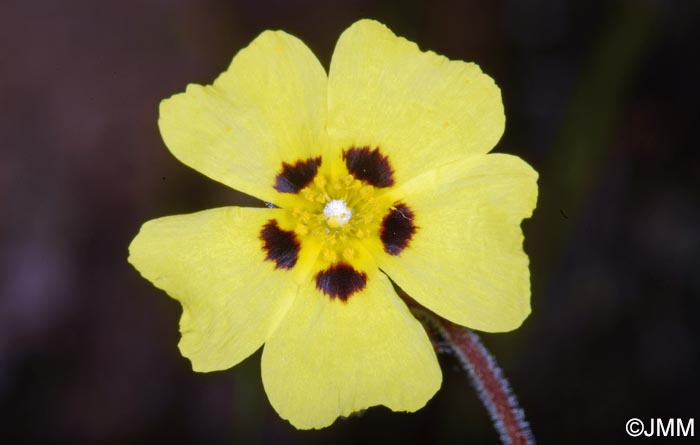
[(337, 213)]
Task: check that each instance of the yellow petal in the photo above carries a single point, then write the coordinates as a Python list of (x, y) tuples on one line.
[(269, 107), (330, 358), (214, 264), (466, 262), (419, 108)]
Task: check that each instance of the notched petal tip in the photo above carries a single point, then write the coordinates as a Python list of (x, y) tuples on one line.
[(328, 360), (271, 99), (375, 28), (423, 108)]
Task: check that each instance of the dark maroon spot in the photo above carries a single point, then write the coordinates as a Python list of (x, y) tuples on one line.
[(370, 166), (281, 246), (295, 177), (340, 280), (397, 229)]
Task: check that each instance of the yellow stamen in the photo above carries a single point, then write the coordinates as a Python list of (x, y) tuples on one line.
[(337, 211)]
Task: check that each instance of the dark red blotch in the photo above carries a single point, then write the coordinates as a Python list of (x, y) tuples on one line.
[(370, 166), (281, 246), (397, 229), (295, 177), (340, 280)]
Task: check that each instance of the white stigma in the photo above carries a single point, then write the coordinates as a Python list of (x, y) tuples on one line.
[(337, 213)]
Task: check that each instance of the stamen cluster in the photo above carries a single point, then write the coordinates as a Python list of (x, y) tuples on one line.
[(335, 237)]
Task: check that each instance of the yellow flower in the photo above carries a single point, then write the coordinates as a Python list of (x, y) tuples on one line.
[(378, 169)]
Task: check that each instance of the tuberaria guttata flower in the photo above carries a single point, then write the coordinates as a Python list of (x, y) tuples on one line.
[(378, 169)]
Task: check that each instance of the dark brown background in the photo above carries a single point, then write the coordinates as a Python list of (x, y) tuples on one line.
[(601, 98)]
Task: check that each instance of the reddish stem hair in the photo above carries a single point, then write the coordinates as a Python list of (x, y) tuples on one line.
[(493, 389)]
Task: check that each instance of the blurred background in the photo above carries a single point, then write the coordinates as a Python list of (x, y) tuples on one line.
[(601, 97)]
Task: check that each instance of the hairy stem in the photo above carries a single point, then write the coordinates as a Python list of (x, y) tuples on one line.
[(493, 389)]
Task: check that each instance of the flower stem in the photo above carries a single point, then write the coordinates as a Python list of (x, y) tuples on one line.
[(493, 389)]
